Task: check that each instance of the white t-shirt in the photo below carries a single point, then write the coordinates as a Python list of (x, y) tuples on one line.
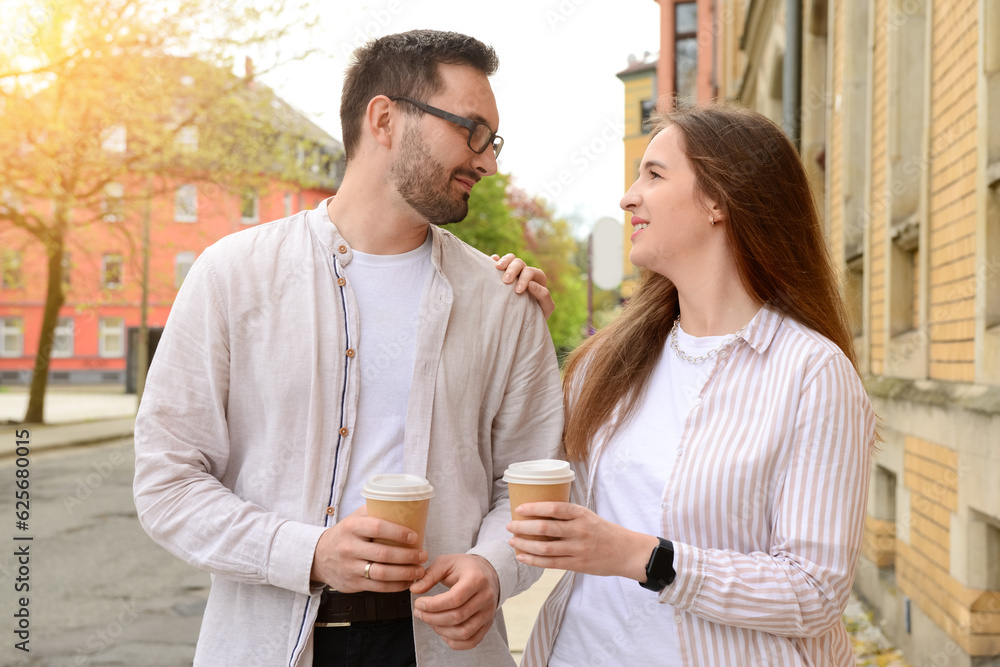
[(613, 620), (388, 290)]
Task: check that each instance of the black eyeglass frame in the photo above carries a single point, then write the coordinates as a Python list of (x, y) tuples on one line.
[(467, 123)]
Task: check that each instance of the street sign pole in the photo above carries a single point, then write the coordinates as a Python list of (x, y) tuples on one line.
[(590, 285)]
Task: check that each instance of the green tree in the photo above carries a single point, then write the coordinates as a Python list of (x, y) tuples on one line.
[(95, 94), (491, 225), (550, 241), (505, 219)]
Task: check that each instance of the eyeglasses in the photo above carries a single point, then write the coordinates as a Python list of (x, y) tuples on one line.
[(480, 135)]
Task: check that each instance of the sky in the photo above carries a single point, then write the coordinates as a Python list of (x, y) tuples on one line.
[(561, 105)]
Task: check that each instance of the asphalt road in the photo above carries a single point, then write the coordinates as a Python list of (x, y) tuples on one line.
[(93, 589)]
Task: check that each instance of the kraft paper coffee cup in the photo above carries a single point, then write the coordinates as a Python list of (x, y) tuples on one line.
[(538, 481), (402, 499)]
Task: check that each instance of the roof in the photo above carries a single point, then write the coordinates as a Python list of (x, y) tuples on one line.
[(637, 64), (201, 80)]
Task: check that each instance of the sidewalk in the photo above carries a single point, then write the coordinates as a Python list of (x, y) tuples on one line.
[(73, 416), (520, 611), (68, 404)]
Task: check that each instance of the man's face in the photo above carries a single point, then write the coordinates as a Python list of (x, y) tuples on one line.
[(435, 170)]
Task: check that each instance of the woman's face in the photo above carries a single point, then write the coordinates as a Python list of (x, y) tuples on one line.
[(672, 222)]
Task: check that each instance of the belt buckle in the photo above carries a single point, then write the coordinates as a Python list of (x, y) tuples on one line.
[(341, 624)]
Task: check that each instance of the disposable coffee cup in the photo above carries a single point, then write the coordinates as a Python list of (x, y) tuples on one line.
[(538, 481), (402, 499)]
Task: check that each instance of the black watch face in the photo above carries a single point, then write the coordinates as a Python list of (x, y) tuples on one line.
[(660, 571)]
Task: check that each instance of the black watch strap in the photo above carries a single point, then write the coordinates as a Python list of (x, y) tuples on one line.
[(660, 568)]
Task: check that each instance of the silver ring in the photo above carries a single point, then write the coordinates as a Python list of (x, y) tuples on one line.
[(368, 569)]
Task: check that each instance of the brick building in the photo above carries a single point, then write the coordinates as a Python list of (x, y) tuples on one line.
[(895, 105), (103, 280)]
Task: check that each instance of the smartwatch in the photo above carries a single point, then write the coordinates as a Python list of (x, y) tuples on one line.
[(660, 568)]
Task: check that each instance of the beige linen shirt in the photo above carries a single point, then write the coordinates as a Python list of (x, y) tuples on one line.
[(765, 506), (245, 429)]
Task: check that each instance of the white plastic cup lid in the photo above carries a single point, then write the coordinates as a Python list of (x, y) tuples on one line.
[(397, 486), (542, 471)]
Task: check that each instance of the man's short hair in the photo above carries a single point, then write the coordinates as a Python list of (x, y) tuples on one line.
[(404, 64)]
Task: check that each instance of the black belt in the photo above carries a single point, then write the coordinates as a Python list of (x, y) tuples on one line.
[(338, 610)]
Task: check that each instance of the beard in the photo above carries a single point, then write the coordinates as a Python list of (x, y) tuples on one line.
[(424, 184)]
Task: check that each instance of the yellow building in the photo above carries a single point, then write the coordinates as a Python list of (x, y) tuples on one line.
[(640, 99), (687, 73), (895, 105)]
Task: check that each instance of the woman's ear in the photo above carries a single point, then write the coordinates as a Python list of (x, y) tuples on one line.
[(717, 213)]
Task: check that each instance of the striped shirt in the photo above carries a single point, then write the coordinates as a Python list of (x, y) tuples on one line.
[(765, 505)]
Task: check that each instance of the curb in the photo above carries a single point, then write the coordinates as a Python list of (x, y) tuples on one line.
[(42, 437)]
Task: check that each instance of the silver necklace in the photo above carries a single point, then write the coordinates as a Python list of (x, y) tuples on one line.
[(684, 356)]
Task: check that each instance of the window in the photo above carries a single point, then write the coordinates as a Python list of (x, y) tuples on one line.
[(984, 551), (885, 494), (685, 53), (249, 207), (988, 224), (11, 337), (773, 106), (113, 202), (855, 122), (993, 557), (907, 95), (991, 65), (182, 264), (882, 543), (111, 337), (111, 271), (62, 343), (851, 115), (114, 139), (855, 296), (646, 108), (11, 277), (777, 87), (992, 270), (186, 204), (187, 139), (904, 278)]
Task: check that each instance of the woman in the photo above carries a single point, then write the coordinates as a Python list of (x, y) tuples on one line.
[(719, 428)]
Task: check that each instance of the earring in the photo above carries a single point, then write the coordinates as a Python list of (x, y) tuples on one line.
[(711, 219)]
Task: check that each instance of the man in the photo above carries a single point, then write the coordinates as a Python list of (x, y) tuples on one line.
[(304, 355)]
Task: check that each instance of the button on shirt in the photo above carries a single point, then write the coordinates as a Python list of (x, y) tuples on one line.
[(387, 291), (247, 422)]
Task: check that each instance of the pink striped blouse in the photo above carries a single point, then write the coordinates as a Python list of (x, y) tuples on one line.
[(765, 505)]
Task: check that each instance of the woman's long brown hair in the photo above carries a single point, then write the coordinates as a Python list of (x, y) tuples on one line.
[(746, 164)]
